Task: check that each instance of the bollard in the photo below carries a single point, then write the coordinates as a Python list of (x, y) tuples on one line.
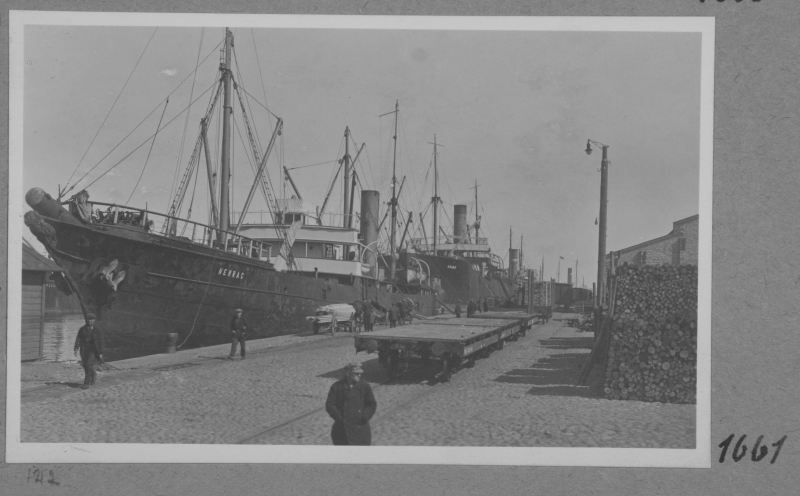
[(172, 340)]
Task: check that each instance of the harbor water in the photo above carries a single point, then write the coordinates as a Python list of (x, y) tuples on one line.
[(59, 337)]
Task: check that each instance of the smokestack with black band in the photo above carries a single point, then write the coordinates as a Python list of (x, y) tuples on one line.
[(370, 203), (460, 222), (513, 262)]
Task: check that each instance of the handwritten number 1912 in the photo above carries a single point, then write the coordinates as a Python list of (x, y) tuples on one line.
[(740, 449)]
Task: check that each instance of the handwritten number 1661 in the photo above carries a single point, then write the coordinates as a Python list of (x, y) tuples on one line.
[(740, 450)]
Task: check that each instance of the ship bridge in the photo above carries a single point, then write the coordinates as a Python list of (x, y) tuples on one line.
[(321, 247), (464, 247)]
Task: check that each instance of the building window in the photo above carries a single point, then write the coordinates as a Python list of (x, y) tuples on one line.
[(329, 252)]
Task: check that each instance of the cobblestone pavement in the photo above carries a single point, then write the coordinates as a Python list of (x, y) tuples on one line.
[(523, 395)]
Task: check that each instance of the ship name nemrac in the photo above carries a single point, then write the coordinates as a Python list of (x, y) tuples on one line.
[(234, 274)]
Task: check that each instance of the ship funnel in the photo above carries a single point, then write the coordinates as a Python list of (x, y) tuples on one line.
[(513, 262), (370, 203), (569, 276), (460, 222)]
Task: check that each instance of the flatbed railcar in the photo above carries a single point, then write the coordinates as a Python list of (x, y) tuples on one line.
[(450, 343)]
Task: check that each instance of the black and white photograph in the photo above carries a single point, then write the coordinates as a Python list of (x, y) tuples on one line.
[(335, 239)]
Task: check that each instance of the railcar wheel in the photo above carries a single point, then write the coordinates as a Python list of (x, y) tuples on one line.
[(447, 370), (392, 364)]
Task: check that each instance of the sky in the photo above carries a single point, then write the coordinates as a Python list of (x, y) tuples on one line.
[(512, 109)]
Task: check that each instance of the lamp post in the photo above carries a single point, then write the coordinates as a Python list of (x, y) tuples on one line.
[(601, 248)]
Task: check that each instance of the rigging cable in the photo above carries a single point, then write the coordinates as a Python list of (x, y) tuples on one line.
[(140, 123), (260, 73), (112, 107), (152, 144), (191, 204), (186, 123), (141, 145)]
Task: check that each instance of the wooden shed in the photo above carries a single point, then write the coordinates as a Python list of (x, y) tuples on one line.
[(35, 268)]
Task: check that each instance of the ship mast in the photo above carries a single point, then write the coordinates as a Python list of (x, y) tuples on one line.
[(435, 198), (476, 211), (225, 172), (393, 264), (346, 181)]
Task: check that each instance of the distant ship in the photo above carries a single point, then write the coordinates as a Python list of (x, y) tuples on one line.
[(146, 275), (460, 264)]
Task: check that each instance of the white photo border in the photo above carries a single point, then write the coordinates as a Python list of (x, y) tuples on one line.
[(18, 452)]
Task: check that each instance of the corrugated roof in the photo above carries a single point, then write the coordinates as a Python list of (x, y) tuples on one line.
[(32, 260)]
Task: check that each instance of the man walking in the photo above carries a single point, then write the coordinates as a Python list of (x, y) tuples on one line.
[(351, 405), (89, 342), (238, 327)]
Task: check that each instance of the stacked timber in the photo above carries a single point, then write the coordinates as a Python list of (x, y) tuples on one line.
[(652, 353)]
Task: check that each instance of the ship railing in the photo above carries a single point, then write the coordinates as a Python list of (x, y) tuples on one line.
[(449, 240), (265, 217), (170, 226)]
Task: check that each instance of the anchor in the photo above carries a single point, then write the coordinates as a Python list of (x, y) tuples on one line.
[(106, 274)]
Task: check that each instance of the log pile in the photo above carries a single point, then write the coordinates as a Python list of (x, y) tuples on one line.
[(652, 353)]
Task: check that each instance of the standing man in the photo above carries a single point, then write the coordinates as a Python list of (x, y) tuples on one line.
[(89, 342), (401, 313), (392, 316), (458, 309), (238, 327), (470, 308), (485, 305), (369, 317), (351, 405)]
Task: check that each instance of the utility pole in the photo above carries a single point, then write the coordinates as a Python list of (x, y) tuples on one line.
[(601, 248), (393, 264)]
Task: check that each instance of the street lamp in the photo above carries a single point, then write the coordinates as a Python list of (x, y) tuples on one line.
[(601, 248)]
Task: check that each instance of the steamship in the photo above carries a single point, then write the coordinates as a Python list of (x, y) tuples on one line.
[(146, 275)]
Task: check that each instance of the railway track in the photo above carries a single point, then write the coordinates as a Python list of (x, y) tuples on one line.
[(48, 391), (384, 413)]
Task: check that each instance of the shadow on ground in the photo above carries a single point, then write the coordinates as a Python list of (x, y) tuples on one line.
[(568, 343), (68, 384), (409, 373), (558, 373)]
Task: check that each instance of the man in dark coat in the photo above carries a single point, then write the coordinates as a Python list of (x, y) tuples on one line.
[(238, 328), (470, 308), (485, 305), (89, 342), (369, 317), (458, 309), (392, 316), (351, 405)]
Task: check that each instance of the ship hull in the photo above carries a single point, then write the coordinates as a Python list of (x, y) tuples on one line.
[(176, 286), (461, 280)]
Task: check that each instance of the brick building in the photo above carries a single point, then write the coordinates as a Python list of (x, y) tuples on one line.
[(679, 247)]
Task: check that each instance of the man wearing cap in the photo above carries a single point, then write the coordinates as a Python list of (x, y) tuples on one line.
[(89, 342), (351, 405), (238, 326)]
